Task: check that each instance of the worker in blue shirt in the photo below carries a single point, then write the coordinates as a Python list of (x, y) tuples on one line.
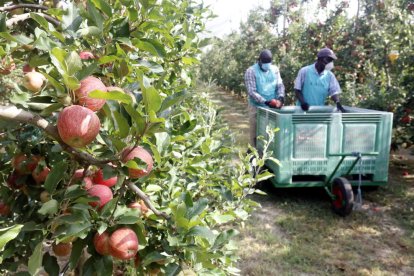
[(264, 88), (316, 82)]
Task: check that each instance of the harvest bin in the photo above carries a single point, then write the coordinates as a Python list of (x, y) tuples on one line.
[(307, 142)]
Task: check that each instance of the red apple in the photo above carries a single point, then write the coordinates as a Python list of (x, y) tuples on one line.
[(88, 182), (406, 119), (33, 81), (405, 173), (4, 209), (78, 174), (39, 175), (78, 126), (102, 192), (87, 85), (24, 165), (86, 55), (98, 178), (62, 249), (15, 181), (130, 153), (123, 244), (27, 68), (101, 243)]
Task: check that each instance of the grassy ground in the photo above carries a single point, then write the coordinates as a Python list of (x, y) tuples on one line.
[(295, 232)]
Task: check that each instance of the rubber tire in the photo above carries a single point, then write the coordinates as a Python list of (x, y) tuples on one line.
[(344, 202)]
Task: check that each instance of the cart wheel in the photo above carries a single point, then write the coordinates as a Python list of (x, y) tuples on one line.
[(344, 201)]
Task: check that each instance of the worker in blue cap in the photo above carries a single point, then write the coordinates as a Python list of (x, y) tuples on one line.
[(315, 82), (264, 88)]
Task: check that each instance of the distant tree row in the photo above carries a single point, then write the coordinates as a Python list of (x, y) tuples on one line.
[(375, 65)]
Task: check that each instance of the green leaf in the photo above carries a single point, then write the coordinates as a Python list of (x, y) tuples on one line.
[(136, 117), (95, 16), (152, 99), (103, 6), (146, 46), (50, 109), (172, 269), (127, 220), (152, 188), (74, 191), (71, 82), (121, 124), (224, 238), (41, 20), (55, 176), (198, 208), (59, 88), (9, 233), (89, 31), (3, 26), (58, 60), (202, 232), (153, 257), (35, 261), (50, 265), (73, 62), (154, 47), (43, 42), (223, 218), (274, 160), (87, 71), (173, 99), (264, 175), (76, 253), (112, 95), (71, 20), (49, 208), (109, 207), (22, 39)]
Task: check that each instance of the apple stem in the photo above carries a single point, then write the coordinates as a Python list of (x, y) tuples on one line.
[(146, 199)]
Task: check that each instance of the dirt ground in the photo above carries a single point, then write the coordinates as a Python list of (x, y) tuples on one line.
[(294, 232)]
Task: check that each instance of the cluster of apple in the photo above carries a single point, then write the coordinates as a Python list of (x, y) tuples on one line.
[(27, 170)]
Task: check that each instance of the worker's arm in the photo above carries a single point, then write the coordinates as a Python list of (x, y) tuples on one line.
[(250, 81), (334, 91), (299, 81)]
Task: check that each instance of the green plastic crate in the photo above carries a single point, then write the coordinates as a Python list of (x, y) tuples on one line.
[(305, 141)]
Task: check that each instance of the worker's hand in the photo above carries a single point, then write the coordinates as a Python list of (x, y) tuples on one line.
[(305, 106), (273, 103), (340, 107)]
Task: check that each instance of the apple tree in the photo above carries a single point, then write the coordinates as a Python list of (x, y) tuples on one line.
[(109, 165)]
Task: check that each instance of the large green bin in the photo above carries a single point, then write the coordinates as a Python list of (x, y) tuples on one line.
[(306, 140)]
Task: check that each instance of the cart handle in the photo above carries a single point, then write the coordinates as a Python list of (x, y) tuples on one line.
[(356, 154)]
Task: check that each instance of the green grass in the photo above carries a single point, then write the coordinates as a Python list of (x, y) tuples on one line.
[(296, 233)]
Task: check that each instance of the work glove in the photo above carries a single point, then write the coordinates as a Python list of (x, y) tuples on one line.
[(340, 107), (273, 103), (305, 106)]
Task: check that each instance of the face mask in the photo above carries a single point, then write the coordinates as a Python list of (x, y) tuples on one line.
[(329, 66), (266, 66)]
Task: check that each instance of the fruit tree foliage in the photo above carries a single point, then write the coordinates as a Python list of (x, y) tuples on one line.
[(80, 199)]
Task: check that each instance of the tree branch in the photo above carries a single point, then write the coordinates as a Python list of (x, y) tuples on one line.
[(15, 114), (146, 199), (22, 17), (25, 6)]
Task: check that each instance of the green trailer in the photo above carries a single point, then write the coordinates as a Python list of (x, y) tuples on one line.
[(326, 148)]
